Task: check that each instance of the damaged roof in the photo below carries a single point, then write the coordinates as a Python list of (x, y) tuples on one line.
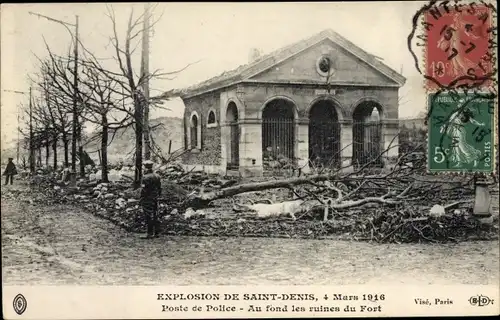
[(247, 71)]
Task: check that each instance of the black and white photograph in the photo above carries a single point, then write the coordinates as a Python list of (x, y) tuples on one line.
[(251, 145)]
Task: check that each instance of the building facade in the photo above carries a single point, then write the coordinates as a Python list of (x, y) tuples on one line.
[(319, 102)]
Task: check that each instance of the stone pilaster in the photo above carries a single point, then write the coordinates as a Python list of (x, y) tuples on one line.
[(346, 140), (225, 154), (390, 139), (251, 147), (302, 144)]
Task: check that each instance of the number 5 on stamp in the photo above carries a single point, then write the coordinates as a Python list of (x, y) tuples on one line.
[(461, 133)]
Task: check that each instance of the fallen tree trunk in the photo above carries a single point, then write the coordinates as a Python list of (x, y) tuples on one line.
[(203, 199), (398, 176)]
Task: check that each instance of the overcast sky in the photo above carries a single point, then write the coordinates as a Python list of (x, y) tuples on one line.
[(218, 35)]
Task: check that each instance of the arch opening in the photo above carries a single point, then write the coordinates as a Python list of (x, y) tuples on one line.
[(278, 134), (367, 134), (194, 131), (233, 147), (231, 112), (324, 135)]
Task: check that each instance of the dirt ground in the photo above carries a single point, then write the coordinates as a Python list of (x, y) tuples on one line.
[(66, 245)]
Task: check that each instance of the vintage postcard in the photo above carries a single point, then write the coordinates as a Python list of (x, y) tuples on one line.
[(229, 160)]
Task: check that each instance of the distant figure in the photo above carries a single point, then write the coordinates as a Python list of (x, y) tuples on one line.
[(10, 171), (151, 191)]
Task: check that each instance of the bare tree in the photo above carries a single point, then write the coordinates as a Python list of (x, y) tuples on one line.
[(41, 128), (60, 88), (105, 92), (101, 106), (129, 84), (57, 101)]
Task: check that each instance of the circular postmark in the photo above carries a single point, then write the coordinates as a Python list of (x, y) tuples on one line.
[(20, 304), (453, 44)]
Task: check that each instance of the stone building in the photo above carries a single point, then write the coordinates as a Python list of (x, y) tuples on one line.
[(319, 102)]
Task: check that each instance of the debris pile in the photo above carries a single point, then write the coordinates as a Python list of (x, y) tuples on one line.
[(376, 225), (241, 225), (404, 227), (410, 212), (192, 180)]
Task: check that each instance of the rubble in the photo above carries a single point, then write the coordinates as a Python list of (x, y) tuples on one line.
[(437, 211), (189, 213), (420, 217)]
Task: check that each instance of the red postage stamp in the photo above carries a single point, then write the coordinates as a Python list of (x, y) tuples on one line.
[(460, 46)]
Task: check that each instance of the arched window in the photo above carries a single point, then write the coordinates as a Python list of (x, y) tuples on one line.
[(278, 133), (211, 119), (367, 134), (194, 132), (324, 134)]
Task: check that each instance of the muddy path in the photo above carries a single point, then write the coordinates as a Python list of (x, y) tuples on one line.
[(64, 244)]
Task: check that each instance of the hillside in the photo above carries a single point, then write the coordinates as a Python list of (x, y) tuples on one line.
[(121, 148)]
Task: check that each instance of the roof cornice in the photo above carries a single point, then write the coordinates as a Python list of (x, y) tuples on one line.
[(246, 72)]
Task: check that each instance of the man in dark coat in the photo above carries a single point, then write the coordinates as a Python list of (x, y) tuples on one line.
[(10, 171), (151, 191)]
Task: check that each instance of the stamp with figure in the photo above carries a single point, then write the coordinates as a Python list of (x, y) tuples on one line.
[(461, 133), (460, 45)]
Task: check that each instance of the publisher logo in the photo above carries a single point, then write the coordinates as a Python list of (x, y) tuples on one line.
[(480, 301), (20, 304)]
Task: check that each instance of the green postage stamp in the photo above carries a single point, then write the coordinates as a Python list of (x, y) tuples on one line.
[(461, 133)]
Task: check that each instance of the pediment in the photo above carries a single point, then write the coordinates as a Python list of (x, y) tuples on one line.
[(304, 67)]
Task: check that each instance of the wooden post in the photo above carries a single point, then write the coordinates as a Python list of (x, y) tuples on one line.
[(169, 146), (74, 132), (145, 79), (32, 151), (18, 141)]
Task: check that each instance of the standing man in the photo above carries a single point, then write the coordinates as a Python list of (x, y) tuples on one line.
[(10, 171), (151, 191)]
